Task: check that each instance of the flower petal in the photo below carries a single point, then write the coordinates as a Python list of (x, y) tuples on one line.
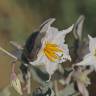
[(82, 89), (51, 67), (88, 60), (59, 38), (65, 54), (45, 26), (68, 30), (92, 44)]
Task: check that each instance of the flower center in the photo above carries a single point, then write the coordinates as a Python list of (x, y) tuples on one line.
[(51, 50)]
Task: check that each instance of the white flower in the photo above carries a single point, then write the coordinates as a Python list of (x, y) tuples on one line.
[(53, 50), (80, 77), (90, 58)]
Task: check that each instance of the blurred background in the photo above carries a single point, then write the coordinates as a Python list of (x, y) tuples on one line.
[(18, 18)]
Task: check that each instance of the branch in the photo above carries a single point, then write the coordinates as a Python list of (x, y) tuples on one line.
[(9, 54), (56, 88), (19, 47)]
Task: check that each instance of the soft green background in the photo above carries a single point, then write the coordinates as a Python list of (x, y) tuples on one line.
[(19, 17)]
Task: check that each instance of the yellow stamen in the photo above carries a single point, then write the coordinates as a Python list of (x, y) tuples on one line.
[(52, 54), (49, 57), (51, 45), (56, 49), (51, 50)]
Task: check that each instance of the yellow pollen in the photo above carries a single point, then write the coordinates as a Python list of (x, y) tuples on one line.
[(50, 51)]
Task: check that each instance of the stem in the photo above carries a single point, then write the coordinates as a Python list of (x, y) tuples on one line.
[(9, 54), (13, 66), (29, 83), (19, 47), (56, 88)]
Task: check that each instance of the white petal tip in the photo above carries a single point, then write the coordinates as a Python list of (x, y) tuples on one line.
[(35, 63), (51, 20), (48, 22), (69, 29), (44, 27), (72, 26), (82, 64), (69, 58), (31, 63), (90, 37)]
